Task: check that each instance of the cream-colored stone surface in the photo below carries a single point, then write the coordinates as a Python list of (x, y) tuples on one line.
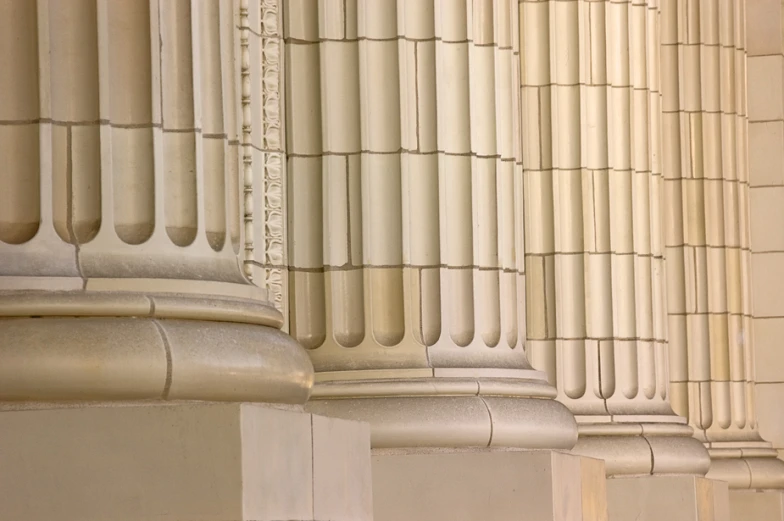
[(709, 236), (385, 173), (277, 463), (766, 207), (768, 334), (120, 222), (342, 479), (766, 158), (594, 121), (765, 75), (672, 498), (766, 88), (757, 505), (768, 286), (771, 420), (405, 222), (210, 462), (481, 485), (764, 17)]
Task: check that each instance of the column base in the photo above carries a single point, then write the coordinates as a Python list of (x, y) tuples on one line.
[(103, 346), (182, 461), (655, 445), (753, 465), (670, 498), (756, 505), (481, 485), (457, 409)]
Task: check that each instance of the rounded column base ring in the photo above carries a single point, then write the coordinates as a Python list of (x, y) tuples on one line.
[(451, 412), (83, 346), (658, 445)]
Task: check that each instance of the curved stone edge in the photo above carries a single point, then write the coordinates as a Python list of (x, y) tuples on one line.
[(665, 449), (747, 472), (211, 307), (453, 419), (54, 359)]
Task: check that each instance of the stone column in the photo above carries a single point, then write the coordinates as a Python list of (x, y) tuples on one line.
[(594, 251), (708, 240), (405, 212), (406, 275), (120, 226), (129, 335)]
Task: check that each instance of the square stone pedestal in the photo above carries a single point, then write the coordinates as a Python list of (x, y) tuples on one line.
[(667, 498), (182, 462), (756, 505), (487, 486)]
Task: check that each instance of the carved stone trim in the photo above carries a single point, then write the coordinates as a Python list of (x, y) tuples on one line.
[(274, 164), (247, 149)]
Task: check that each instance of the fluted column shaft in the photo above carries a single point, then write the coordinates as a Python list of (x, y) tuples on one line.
[(406, 238), (708, 246), (594, 243), (121, 205)]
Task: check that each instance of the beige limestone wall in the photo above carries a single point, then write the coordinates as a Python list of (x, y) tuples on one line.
[(765, 27)]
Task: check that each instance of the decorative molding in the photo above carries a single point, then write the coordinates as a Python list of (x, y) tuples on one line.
[(274, 181), (247, 148)]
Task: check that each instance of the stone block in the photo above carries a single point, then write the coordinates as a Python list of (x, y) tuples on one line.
[(756, 505), (670, 498), (488, 484), (183, 462), (341, 470)]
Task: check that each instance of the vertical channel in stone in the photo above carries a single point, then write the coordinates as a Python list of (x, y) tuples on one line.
[(507, 132), (305, 193), (454, 131), (675, 208), (655, 152), (381, 173), (483, 166), (596, 198), (538, 164), (733, 146), (340, 103), (130, 110), (719, 198), (20, 201), (213, 136), (742, 372), (644, 204), (179, 133), (230, 76), (568, 200), (76, 167), (622, 244), (419, 162)]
